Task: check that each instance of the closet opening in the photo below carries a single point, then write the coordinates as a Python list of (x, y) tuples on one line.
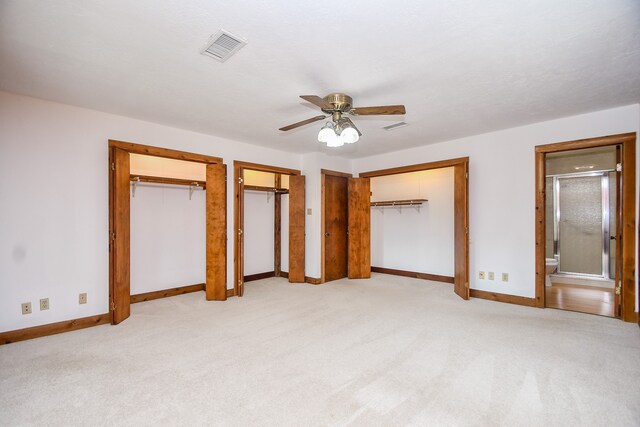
[(177, 202), (585, 226), (416, 202), (269, 224)]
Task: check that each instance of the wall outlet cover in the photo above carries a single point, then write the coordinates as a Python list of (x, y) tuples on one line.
[(309, 211), (505, 277), (491, 275), (82, 299), (44, 304), (481, 275), (26, 308)]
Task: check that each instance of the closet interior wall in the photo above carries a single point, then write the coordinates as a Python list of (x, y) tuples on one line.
[(259, 225), (168, 225), (416, 238)]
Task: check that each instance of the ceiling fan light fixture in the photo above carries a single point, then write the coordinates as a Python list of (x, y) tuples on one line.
[(328, 135), (349, 135)]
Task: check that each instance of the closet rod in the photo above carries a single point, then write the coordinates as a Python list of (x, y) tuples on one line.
[(268, 189), (412, 202), (162, 180)]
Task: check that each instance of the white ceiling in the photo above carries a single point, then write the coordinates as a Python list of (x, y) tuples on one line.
[(460, 67)]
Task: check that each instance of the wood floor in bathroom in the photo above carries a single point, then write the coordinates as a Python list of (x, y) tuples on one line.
[(585, 299)]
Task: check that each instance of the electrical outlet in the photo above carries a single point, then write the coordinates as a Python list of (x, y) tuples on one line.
[(26, 308), (309, 211), (505, 277), (491, 275), (82, 299), (481, 275), (44, 304)]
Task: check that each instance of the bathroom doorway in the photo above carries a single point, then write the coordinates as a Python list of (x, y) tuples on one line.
[(585, 202), (581, 195)]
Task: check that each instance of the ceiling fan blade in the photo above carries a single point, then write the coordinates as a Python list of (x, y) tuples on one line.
[(316, 100), (383, 110), (302, 123)]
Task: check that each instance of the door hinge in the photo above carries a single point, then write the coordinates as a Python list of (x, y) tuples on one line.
[(619, 167), (113, 306), (466, 175), (239, 231), (618, 289), (113, 235), (466, 230), (113, 166), (240, 180)]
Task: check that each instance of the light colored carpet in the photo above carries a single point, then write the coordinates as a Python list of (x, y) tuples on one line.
[(385, 351)]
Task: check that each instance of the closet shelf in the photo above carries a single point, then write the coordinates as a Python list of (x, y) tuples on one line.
[(267, 189), (412, 202), (162, 180)]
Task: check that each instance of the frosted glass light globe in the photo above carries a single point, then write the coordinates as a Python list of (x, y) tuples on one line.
[(349, 135), (326, 134), (334, 141)]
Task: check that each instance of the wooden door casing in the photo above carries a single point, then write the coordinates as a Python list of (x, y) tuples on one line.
[(336, 227), (359, 220)]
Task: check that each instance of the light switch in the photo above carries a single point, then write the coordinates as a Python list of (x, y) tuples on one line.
[(308, 211)]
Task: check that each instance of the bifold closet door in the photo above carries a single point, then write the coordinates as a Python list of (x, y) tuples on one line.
[(119, 239), (216, 281), (359, 219), (296, 228), (461, 229)]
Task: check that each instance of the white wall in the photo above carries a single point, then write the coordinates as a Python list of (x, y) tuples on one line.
[(167, 237), (54, 201), (409, 238), (259, 215), (502, 187)]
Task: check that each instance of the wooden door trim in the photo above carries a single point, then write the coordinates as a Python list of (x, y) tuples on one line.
[(628, 255), (238, 215), (461, 220), (416, 168), (266, 168), (335, 173), (323, 206), (147, 150), (167, 153)]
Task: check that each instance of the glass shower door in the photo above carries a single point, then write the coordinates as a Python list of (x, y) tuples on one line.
[(581, 231)]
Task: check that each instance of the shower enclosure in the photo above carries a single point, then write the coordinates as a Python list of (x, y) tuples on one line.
[(583, 223)]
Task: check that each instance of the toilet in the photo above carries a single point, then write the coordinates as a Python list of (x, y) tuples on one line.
[(551, 267)]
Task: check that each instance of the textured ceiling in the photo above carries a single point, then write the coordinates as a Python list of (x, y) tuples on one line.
[(460, 67)]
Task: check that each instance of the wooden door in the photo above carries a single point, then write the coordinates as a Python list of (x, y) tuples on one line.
[(335, 227), (216, 281), (359, 225), (461, 229), (296, 228), (119, 236)]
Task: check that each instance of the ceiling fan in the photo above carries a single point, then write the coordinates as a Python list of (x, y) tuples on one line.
[(341, 129)]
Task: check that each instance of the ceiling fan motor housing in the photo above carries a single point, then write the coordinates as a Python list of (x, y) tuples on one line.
[(340, 102)]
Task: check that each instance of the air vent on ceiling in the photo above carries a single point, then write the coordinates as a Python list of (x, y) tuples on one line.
[(223, 45), (395, 126)]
